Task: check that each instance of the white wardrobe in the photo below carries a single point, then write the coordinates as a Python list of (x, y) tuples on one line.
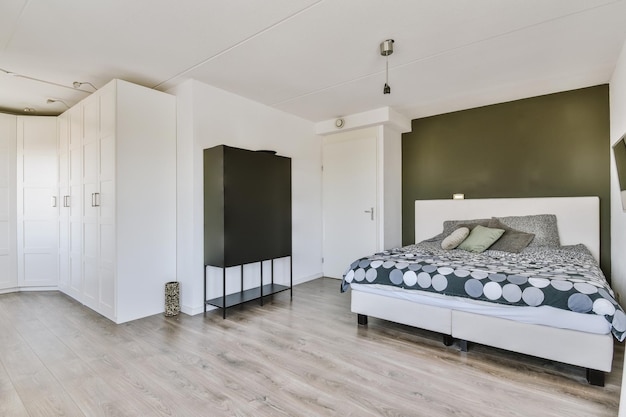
[(117, 193), (88, 201)]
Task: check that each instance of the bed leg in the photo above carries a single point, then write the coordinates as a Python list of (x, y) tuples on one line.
[(595, 377), (362, 319), (463, 345), (448, 340)]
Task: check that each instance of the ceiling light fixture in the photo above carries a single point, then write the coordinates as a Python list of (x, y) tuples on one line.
[(78, 84), (57, 100), (386, 49), (29, 110)]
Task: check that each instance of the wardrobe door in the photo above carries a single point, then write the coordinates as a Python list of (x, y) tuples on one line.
[(63, 123), (107, 203), (37, 201), (90, 201), (8, 264), (74, 201)]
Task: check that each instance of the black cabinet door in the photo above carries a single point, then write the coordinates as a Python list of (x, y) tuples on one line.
[(247, 206)]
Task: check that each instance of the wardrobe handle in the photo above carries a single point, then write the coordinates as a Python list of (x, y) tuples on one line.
[(95, 199), (66, 201), (54, 201)]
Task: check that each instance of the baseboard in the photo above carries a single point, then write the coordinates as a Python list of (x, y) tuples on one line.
[(192, 311), (27, 289), (302, 280)]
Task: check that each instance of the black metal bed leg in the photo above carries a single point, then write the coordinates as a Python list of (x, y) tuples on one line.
[(463, 345), (204, 298), (448, 340), (595, 377), (362, 319)]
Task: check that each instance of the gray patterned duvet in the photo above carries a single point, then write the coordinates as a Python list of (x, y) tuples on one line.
[(567, 277)]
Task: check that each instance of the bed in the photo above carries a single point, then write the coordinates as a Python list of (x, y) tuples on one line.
[(399, 285)]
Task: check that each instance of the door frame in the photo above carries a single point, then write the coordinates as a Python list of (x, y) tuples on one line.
[(353, 135)]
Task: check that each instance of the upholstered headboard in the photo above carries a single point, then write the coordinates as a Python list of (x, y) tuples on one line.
[(578, 218)]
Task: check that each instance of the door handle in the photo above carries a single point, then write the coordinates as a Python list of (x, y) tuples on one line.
[(54, 201), (95, 199), (371, 212), (66, 201)]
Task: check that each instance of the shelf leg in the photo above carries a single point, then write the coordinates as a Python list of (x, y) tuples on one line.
[(224, 293), (290, 278), (261, 282)]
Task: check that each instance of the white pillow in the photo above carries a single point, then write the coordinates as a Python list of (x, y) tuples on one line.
[(455, 238)]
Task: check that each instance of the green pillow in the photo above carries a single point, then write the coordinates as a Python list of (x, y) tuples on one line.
[(480, 238)]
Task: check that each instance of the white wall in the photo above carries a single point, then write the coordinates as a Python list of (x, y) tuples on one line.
[(208, 117), (617, 92), (391, 187)]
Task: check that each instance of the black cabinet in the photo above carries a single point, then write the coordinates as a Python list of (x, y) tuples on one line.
[(247, 215)]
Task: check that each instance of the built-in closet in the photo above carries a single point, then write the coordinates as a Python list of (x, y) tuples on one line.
[(88, 201), (117, 170)]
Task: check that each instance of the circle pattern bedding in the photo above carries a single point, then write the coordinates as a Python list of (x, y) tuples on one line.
[(566, 277)]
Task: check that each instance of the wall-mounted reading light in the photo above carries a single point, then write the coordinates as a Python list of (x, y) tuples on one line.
[(78, 84), (57, 100), (386, 49)]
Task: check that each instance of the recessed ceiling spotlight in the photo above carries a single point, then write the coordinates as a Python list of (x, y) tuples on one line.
[(29, 110)]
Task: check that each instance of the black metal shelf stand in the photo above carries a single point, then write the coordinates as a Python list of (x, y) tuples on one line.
[(243, 296)]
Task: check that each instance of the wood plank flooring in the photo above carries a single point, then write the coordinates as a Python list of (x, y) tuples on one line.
[(305, 357)]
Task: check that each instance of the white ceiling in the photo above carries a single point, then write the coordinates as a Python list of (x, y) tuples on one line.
[(315, 59)]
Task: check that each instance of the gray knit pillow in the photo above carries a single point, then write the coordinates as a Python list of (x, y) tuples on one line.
[(543, 226), (512, 240)]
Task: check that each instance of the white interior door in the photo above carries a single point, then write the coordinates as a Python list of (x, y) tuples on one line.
[(349, 200)]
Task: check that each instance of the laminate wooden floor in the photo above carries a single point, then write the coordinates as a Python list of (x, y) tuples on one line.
[(305, 357)]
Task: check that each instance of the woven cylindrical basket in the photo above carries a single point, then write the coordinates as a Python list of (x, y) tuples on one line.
[(172, 298)]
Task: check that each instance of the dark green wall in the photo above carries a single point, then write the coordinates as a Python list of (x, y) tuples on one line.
[(549, 146)]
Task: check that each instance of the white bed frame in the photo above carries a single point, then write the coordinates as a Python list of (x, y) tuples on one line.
[(578, 221)]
